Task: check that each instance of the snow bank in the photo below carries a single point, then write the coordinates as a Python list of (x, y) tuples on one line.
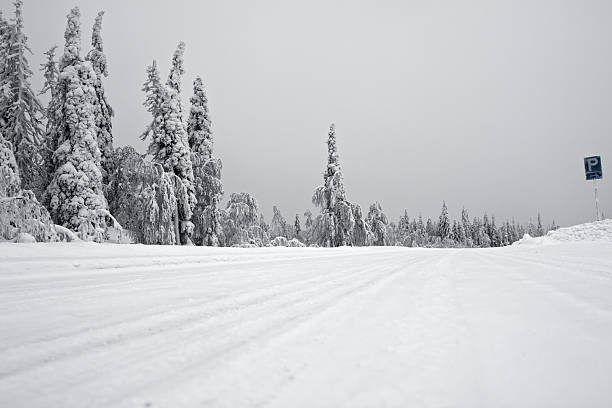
[(600, 231)]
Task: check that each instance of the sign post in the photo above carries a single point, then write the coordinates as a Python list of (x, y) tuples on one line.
[(593, 171)]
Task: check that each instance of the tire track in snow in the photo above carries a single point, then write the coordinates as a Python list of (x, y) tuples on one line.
[(175, 317), (335, 285)]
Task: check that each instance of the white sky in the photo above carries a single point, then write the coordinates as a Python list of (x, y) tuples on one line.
[(487, 104)]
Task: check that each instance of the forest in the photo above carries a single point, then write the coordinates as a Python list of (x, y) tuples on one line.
[(62, 178)]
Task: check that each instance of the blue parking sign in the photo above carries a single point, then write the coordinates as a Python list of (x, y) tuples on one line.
[(592, 168)]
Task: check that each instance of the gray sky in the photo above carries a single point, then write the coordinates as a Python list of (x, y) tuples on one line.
[(487, 104)]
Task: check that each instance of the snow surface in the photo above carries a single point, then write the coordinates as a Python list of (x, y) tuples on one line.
[(88, 325), (594, 231)]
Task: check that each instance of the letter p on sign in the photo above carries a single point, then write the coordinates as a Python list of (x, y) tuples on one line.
[(592, 167)]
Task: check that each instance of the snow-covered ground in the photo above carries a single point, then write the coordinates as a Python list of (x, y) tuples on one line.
[(86, 325)]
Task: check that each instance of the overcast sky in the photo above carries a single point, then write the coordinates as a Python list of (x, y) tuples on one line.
[(486, 104)]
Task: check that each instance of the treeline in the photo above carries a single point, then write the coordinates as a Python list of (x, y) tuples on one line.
[(61, 178)]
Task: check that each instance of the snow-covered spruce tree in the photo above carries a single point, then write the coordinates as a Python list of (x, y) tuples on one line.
[(53, 114), (403, 229), (169, 145), (467, 228), (76, 199), (102, 110), (10, 182), (444, 227), (297, 227), (377, 220), (20, 109), (539, 228), (494, 233), (334, 226), (206, 170)]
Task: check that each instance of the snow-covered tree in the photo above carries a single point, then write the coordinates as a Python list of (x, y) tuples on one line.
[(360, 233), (377, 220), (539, 228), (444, 227), (278, 225), (20, 109), (334, 226), (467, 228), (199, 123), (20, 211), (404, 229), (206, 168), (53, 114), (308, 224), (297, 227), (76, 199), (494, 233), (102, 110), (169, 145), (10, 182), (143, 198), (241, 222)]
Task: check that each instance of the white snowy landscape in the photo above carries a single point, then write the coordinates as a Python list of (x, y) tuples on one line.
[(529, 325), (151, 259)]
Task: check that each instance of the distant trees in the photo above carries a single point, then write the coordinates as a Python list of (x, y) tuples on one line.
[(480, 232), (63, 156)]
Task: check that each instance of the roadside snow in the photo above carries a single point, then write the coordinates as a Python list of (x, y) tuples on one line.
[(87, 325), (600, 231)]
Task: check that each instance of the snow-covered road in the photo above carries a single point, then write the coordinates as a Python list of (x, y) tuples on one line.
[(85, 325)]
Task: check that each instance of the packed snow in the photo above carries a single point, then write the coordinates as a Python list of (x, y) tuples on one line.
[(594, 231), (93, 325)]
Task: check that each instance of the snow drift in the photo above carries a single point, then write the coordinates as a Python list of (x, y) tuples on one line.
[(600, 231)]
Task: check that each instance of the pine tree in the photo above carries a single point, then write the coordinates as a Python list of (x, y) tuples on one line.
[(20, 109), (4, 33), (10, 182), (444, 228), (377, 220), (334, 227), (297, 227), (76, 198), (169, 145), (102, 109), (199, 123), (206, 169), (540, 228), (53, 114)]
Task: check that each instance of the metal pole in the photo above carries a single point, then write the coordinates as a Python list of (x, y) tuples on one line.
[(596, 201)]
